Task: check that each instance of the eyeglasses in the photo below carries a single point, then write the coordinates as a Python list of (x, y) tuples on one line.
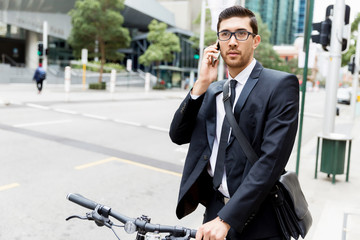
[(240, 35)]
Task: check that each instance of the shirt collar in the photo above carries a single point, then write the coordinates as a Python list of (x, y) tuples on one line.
[(243, 76)]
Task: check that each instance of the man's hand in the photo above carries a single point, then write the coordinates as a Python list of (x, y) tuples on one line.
[(213, 230), (208, 72)]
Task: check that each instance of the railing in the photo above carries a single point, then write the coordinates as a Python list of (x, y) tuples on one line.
[(153, 78), (11, 61)]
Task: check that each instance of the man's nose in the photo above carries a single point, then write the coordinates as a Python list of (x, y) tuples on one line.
[(233, 41)]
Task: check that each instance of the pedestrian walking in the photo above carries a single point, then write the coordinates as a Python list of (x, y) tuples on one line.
[(39, 77), (216, 173)]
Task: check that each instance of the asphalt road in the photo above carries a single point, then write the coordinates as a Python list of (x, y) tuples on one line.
[(112, 149)]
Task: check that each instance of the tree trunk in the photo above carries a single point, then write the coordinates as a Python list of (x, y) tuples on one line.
[(158, 73), (103, 58)]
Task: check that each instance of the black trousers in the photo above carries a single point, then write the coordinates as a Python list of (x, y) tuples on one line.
[(214, 205), (39, 85)]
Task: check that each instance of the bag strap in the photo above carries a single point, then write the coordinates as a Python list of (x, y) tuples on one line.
[(244, 143)]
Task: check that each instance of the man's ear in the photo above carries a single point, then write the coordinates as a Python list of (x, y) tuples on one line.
[(257, 40)]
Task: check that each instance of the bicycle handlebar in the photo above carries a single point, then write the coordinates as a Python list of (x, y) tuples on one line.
[(139, 223)]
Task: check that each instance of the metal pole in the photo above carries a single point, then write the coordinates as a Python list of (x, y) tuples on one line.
[(45, 45), (308, 26), (334, 67), (112, 82), (147, 82), (67, 82), (355, 82), (202, 33)]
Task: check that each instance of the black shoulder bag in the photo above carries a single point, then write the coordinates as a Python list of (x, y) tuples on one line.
[(288, 199)]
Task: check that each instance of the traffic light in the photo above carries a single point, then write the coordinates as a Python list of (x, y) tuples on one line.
[(351, 65), (324, 36), (40, 51), (196, 54), (324, 29)]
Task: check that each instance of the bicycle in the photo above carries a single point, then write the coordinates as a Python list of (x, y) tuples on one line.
[(145, 230)]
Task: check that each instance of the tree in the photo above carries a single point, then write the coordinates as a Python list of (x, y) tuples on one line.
[(163, 45), (210, 35), (99, 21), (265, 53), (346, 57)]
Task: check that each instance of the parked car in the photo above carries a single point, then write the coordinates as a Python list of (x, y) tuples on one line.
[(344, 95)]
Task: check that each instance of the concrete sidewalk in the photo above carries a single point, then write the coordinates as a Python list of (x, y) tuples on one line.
[(335, 207)]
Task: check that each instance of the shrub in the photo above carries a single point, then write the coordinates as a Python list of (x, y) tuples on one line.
[(99, 86)]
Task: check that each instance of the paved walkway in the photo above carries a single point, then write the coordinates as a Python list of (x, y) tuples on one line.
[(335, 207)]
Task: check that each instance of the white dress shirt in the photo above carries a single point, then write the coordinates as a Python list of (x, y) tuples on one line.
[(242, 77)]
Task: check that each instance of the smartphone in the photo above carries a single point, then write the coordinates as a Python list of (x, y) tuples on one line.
[(214, 59)]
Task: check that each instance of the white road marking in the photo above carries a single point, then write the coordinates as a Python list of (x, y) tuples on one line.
[(157, 128), (94, 116), (86, 115), (37, 106), (65, 111), (128, 122), (41, 123)]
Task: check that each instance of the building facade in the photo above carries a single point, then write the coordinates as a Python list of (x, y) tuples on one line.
[(21, 28), (301, 7), (280, 17)]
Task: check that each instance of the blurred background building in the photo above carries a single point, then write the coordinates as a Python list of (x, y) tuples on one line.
[(284, 18), (21, 27)]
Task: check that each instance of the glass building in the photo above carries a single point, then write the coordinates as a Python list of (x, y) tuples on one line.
[(301, 16), (280, 17)]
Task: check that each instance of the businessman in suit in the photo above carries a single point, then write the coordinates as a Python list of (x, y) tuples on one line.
[(266, 108)]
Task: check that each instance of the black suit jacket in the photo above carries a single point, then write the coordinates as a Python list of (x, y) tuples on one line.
[(267, 113)]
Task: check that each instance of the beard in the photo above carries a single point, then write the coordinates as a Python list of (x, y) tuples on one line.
[(239, 62)]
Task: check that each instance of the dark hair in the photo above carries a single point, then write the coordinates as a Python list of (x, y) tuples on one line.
[(238, 11)]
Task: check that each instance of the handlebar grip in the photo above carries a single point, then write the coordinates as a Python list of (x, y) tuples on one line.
[(82, 201), (193, 233)]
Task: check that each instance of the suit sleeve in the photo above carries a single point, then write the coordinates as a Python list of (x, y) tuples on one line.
[(279, 132), (184, 120)]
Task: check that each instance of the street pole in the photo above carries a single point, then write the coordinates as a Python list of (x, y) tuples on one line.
[(67, 82), (202, 33), (334, 67), (45, 45), (355, 82), (308, 26), (84, 61), (112, 83)]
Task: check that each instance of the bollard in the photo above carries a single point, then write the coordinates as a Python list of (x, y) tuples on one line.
[(147, 82), (112, 81), (67, 82)]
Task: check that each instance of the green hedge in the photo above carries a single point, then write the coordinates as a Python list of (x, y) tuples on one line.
[(159, 87), (100, 86), (107, 67)]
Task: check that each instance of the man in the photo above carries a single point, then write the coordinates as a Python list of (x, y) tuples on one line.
[(266, 108), (39, 77)]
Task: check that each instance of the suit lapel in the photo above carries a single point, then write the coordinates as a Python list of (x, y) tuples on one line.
[(249, 86)]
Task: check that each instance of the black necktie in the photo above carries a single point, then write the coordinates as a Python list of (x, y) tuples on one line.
[(225, 130)]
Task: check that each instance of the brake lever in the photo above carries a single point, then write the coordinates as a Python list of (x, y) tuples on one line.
[(76, 216)]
